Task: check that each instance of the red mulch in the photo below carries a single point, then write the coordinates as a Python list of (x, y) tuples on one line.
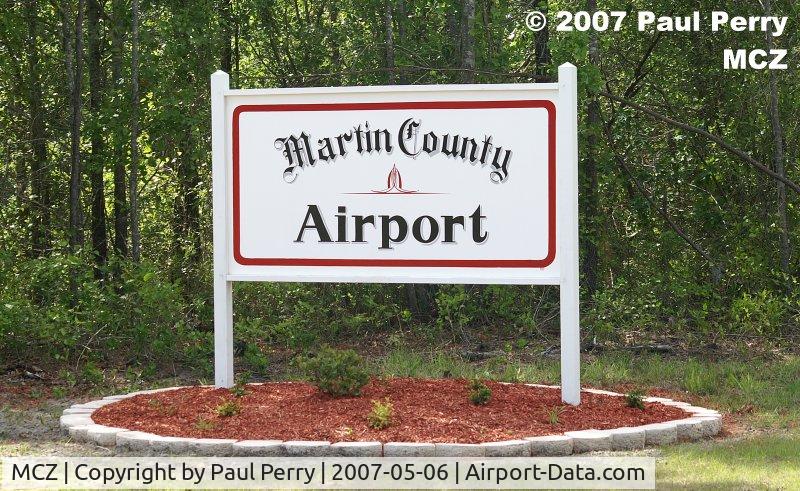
[(424, 411)]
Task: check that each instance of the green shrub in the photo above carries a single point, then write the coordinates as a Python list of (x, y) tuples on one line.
[(228, 408), (635, 399), (336, 372), (203, 424), (553, 415), (240, 387), (479, 393), (380, 416), (762, 313)]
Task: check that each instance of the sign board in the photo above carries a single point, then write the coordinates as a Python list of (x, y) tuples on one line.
[(411, 184)]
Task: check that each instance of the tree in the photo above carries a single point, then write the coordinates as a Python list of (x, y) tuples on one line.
[(120, 210), (133, 182), (389, 29), (590, 192), (778, 154), (468, 41), (96, 166), (40, 173), (74, 64)]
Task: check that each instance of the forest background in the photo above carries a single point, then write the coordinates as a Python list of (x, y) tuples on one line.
[(688, 180)]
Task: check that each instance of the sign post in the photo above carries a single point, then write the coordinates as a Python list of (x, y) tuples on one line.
[(398, 184)]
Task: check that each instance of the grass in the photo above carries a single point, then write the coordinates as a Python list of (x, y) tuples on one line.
[(754, 462), (768, 392)]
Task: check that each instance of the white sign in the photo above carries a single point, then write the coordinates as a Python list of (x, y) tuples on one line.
[(425, 184)]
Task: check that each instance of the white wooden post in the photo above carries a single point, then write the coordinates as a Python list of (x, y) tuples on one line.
[(223, 299), (567, 230)]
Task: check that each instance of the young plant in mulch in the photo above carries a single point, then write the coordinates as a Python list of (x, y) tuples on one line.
[(553, 415), (336, 372), (228, 409), (635, 399), (239, 389), (380, 416), (203, 424), (479, 393)]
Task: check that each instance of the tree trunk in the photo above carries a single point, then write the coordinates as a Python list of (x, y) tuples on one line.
[(226, 62), (541, 40), (40, 172), (134, 178), (336, 50), (778, 156), (120, 211), (401, 35), (487, 27), (76, 59), (389, 27), (590, 171), (467, 41), (96, 167)]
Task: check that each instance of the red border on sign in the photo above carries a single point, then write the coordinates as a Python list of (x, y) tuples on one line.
[(362, 106)]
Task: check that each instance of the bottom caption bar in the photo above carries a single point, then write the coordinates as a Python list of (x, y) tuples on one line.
[(321, 472)]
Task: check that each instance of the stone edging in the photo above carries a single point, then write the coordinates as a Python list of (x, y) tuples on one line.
[(700, 423)]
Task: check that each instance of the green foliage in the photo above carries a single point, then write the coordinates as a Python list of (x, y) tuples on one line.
[(762, 313), (336, 372), (157, 314), (479, 393), (553, 415), (635, 399), (239, 389), (380, 416), (204, 424), (228, 409), (143, 319)]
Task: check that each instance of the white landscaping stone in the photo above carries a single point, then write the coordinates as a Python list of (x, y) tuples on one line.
[(258, 448), (94, 404), (602, 392), (710, 425), (408, 449), (302, 448), (550, 445), (105, 436), (657, 399), (678, 404), (589, 440), (79, 433), (69, 420), (660, 433), (509, 448), (543, 386), (627, 438), (134, 440), (357, 449), (78, 410), (171, 444), (459, 450), (695, 409), (689, 428), (216, 447), (117, 397)]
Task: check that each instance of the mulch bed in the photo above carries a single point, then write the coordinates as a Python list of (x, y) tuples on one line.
[(424, 411)]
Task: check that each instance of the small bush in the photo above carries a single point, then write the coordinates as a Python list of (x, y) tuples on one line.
[(554, 414), (479, 393), (336, 372), (203, 424), (380, 416), (635, 399), (240, 388), (228, 408)]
